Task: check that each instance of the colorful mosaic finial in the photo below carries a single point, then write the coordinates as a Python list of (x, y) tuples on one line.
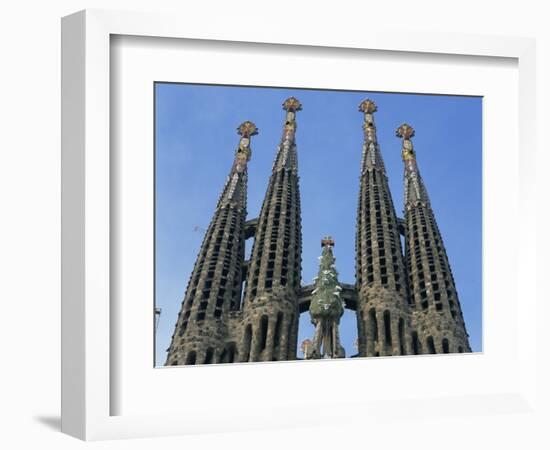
[(244, 153), (292, 104), (367, 106), (247, 129), (405, 131)]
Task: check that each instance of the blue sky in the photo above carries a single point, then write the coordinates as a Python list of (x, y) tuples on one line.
[(195, 143)]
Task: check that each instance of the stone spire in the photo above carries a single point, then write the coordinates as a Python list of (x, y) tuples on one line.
[(326, 308), (214, 288), (437, 316), (235, 187), (270, 312), (371, 151), (383, 312), (414, 187)]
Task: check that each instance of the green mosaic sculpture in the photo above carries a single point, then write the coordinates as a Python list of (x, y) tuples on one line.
[(326, 307)]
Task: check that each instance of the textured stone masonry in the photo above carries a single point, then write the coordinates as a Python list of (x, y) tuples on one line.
[(246, 311)]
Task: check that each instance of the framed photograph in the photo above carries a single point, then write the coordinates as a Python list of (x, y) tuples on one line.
[(268, 229)]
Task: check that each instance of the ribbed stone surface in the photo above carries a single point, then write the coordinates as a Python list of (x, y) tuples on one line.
[(437, 319), (380, 271), (270, 312), (214, 288)]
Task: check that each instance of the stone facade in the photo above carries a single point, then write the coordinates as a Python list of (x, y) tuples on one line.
[(405, 303)]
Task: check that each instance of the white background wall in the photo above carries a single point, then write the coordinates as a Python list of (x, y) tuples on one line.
[(30, 199)]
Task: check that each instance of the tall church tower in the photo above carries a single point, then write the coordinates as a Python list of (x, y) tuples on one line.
[(214, 289), (437, 316), (270, 310), (405, 304), (384, 325)]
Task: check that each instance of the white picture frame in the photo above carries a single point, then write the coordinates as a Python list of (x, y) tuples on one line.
[(89, 385)]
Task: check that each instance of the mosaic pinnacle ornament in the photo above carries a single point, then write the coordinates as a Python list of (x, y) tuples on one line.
[(326, 307)]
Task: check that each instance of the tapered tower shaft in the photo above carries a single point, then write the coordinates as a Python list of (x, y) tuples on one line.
[(214, 287), (270, 312), (383, 312), (437, 314)]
